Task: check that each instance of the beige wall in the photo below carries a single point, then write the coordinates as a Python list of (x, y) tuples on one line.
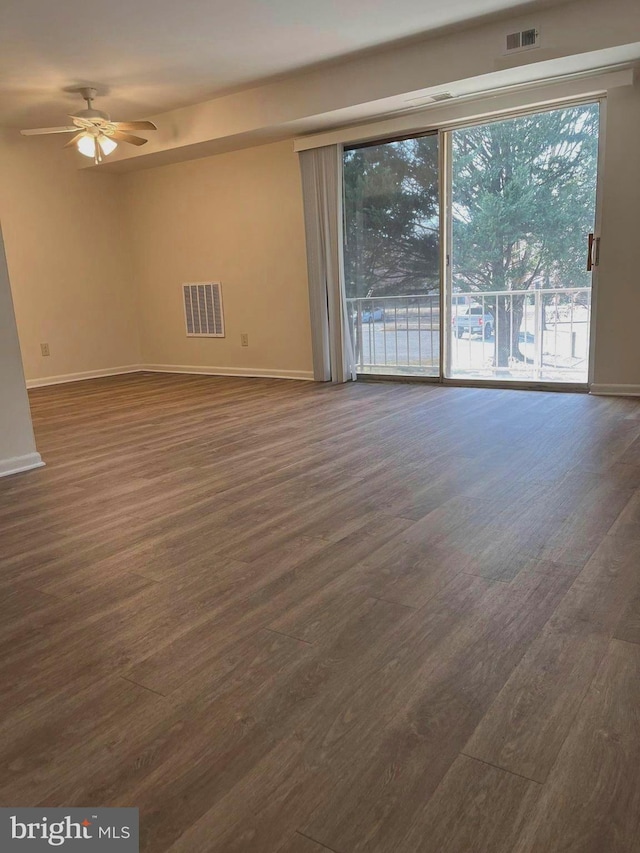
[(238, 218), (67, 252), (235, 218), (17, 445), (617, 342), (97, 260)]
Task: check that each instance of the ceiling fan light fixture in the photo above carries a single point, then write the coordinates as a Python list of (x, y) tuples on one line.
[(107, 144), (87, 145), (94, 145)]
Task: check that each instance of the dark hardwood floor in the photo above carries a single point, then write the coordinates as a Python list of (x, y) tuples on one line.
[(292, 618)]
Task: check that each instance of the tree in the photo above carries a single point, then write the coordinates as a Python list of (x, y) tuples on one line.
[(391, 218), (523, 204)]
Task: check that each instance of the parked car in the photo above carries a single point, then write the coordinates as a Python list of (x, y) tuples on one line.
[(372, 315), (473, 321), (458, 299)]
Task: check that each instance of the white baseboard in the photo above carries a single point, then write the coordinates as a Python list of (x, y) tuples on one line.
[(15, 464), (249, 372), (79, 377), (616, 390)]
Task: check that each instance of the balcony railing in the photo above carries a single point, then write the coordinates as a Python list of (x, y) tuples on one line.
[(401, 334)]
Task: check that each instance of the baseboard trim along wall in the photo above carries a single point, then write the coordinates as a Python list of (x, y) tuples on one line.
[(256, 373), (616, 390), (16, 464), (249, 372), (79, 377)]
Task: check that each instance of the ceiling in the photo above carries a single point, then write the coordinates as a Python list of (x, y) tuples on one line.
[(147, 56)]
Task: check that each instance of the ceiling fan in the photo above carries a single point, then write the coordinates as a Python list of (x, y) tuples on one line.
[(95, 134)]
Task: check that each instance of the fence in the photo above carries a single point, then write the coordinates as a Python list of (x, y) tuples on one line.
[(534, 334)]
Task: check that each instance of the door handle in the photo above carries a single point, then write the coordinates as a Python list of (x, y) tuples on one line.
[(593, 252)]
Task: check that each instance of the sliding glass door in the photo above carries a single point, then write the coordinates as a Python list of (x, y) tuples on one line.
[(522, 204), (392, 255), (520, 201)]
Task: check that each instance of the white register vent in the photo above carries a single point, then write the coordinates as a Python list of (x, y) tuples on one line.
[(203, 315), (523, 40)]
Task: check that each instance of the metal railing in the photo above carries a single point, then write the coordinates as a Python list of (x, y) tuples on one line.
[(540, 334)]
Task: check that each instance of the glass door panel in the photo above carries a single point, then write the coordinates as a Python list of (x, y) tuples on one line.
[(392, 255), (523, 199)]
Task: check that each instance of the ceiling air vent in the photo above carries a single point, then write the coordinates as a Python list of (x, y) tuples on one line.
[(203, 310), (523, 40), (423, 100)]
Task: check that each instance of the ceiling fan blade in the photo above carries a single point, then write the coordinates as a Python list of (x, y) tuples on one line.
[(39, 131), (74, 139), (119, 136), (135, 125)]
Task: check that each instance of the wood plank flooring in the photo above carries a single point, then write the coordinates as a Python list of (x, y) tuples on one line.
[(286, 617)]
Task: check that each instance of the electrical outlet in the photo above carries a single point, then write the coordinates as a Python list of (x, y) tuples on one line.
[(244, 340), (44, 348)]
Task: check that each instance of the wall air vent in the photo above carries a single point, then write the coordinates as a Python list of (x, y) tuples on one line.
[(523, 40), (203, 315)]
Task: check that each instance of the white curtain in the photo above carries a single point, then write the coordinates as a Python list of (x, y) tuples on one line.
[(333, 357)]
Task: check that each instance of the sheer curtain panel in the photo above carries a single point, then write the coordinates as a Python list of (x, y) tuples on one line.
[(333, 358)]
